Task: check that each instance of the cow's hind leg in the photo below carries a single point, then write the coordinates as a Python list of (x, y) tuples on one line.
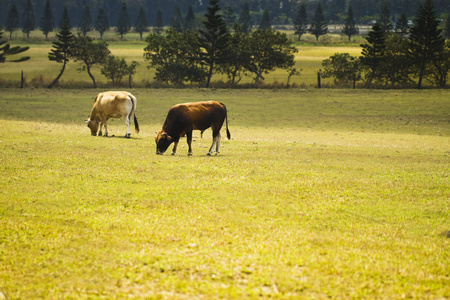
[(189, 142), (127, 122), (216, 141)]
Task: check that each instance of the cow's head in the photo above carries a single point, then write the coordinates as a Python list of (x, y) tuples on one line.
[(163, 141), (93, 126)]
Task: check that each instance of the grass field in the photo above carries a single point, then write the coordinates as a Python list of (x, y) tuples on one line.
[(319, 194)]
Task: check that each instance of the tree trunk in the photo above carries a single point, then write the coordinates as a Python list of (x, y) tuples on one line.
[(208, 80), (59, 76), (92, 76)]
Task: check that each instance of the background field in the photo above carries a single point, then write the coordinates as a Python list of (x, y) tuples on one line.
[(39, 71), (319, 194)]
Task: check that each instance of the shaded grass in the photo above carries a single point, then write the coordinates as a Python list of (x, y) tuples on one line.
[(308, 200)]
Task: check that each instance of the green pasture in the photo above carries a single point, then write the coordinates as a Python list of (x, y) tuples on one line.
[(319, 194), (39, 71)]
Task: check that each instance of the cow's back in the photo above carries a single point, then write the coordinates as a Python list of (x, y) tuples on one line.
[(113, 104)]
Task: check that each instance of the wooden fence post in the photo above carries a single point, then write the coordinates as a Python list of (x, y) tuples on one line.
[(318, 80), (21, 80)]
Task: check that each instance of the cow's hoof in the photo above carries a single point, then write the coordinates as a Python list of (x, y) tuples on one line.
[(190, 154), (208, 154), (127, 136), (173, 153), (100, 134)]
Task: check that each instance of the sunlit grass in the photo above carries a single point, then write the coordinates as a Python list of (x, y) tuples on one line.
[(319, 194)]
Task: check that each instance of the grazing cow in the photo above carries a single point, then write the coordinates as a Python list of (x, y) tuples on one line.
[(182, 119), (112, 105)]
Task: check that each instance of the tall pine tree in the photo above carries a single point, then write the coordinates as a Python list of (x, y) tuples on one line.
[(101, 22), (141, 24), (265, 20), (244, 18), (28, 19), (425, 38), (60, 50), (373, 52), (214, 39), (47, 20), (123, 23), (177, 20), (159, 25), (12, 21), (301, 21), (65, 19), (350, 24), (86, 20), (7, 50), (190, 19), (318, 25)]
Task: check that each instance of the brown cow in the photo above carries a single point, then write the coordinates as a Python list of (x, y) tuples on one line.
[(182, 119), (112, 105)]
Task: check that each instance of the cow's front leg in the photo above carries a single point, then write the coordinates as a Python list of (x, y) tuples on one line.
[(174, 150), (100, 132), (189, 142), (106, 130)]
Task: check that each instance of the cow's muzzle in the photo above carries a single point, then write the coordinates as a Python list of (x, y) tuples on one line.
[(94, 133)]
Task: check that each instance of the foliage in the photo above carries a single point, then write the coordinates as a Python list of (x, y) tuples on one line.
[(190, 19), (13, 21), (115, 68), (6, 50), (89, 53), (265, 20), (176, 21), (244, 19), (28, 19), (60, 50), (437, 72), (301, 21), (47, 20), (373, 52), (350, 24), (123, 22), (269, 50), (395, 67), (175, 56), (65, 19), (86, 20), (385, 20), (318, 24), (402, 25), (343, 67), (101, 22), (158, 27), (426, 41), (141, 24), (214, 39)]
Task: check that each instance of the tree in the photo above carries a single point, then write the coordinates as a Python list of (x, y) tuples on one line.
[(396, 67), (12, 21), (265, 20), (141, 24), (86, 20), (447, 25), (373, 52), (350, 24), (239, 56), (89, 53), (438, 72), (318, 25), (101, 22), (115, 68), (425, 39), (47, 20), (244, 18), (65, 19), (123, 23), (301, 21), (190, 18), (158, 28), (214, 39), (28, 19), (385, 19), (229, 16), (60, 50), (6, 50), (175, 56), (269, 50), (177, 20), (402, 25), (343, 67)]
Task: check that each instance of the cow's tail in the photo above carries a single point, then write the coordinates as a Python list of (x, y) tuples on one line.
[(226, 122), (133, 112)]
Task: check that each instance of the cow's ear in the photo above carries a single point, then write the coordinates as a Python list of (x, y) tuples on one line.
[(169, 138)]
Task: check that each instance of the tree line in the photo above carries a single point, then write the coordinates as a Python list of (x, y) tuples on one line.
[(31, 14), (387, 58)]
